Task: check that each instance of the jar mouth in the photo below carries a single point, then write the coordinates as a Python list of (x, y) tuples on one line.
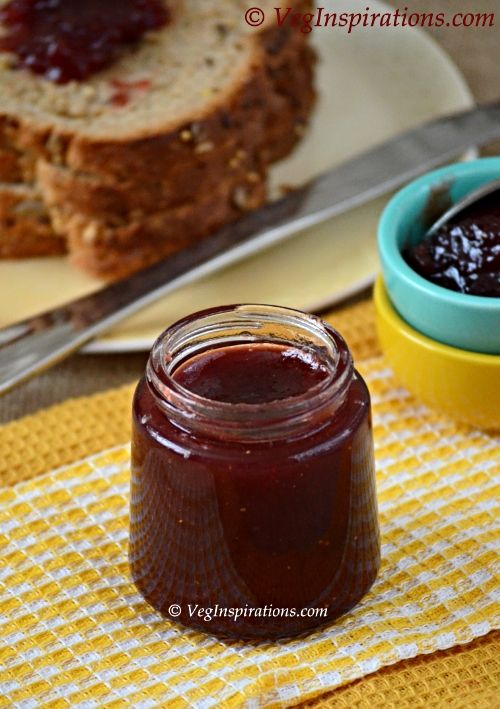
[(249, 324)]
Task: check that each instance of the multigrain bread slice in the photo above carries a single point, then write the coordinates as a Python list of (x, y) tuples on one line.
[(16, 167), (10, 168), (208, 68), (25, 226), (210, 101), (106, 248), (204, 163), (185, 182)]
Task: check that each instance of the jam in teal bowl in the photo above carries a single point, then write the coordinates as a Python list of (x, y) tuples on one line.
[(468, 322)]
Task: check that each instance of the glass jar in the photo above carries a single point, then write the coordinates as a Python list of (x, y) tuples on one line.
[(253, 504)]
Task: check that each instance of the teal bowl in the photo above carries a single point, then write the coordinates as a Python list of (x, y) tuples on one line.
[(469, 322)]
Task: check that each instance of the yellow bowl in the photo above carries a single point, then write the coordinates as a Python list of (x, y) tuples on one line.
[(461, 384)]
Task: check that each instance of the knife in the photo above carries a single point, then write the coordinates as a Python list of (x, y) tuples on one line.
[(33, 345)]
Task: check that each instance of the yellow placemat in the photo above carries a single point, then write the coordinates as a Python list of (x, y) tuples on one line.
[(464, 677), (75, 630)]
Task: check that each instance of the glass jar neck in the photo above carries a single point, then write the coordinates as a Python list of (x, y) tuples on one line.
[(250, 324)]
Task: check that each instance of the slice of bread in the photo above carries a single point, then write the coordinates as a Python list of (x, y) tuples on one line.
[(109, 249), (210, 104), (183, 183), (25, 226), (10, 168), (16, 167)]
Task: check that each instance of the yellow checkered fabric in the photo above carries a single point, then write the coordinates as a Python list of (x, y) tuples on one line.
[(76, 632), (460, 678)]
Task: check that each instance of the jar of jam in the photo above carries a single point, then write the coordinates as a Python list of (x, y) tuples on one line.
[(253, 504)]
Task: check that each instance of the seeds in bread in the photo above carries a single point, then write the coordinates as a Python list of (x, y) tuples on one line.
[(25, 227)]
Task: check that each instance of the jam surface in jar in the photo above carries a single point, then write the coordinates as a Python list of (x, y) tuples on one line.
[(253, 487), (464, 255), (66, 40), (250, 373)]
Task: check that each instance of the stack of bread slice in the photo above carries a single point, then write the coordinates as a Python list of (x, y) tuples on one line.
[(170, 142)]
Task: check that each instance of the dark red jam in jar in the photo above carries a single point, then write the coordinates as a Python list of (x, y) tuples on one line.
[(464, 255), (253, 505), (68, 40)]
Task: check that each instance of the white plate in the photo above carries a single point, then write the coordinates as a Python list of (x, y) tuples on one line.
[(373, 84)]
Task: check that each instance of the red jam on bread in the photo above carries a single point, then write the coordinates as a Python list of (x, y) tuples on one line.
[(65, 40)]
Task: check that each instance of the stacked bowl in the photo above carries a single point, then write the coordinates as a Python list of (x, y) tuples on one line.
[(443, 345)]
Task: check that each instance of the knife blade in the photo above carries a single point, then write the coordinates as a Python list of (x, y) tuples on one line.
[(33, 345)]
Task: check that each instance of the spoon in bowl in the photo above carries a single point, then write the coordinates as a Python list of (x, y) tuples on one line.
[(471, 201)]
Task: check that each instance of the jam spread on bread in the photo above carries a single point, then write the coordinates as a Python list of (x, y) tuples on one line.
[(464, 255), (65, 40)]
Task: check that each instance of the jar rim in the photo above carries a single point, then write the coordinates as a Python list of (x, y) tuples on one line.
[(249, 321)]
